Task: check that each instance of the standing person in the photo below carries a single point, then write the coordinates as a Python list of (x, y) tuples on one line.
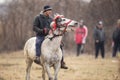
[(80, 34), (99, 37), (116, 39), (41, 26), (63, 64), (85, 36)]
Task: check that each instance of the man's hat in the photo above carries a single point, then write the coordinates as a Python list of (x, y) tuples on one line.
[(46, 8)]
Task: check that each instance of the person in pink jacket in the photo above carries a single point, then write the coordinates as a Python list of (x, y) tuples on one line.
[(80, 36)]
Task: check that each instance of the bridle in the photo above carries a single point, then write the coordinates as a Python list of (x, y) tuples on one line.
[(66, 25), (63, 32)]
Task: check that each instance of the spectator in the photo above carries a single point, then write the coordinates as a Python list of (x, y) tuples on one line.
[(80, 36), (116, 39), (99, 37), (85, 36)]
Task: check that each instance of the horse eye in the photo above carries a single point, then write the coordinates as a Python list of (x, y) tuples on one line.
[(59, 20), (63, 20)]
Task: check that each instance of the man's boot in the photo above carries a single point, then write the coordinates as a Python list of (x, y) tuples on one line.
[(63, 66), (37, 60)]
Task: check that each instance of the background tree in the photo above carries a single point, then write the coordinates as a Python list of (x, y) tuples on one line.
[(16, 19)]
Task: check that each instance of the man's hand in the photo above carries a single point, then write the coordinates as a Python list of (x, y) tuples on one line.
[(45, 30), (97, 41), (84, 41), (112, 44)]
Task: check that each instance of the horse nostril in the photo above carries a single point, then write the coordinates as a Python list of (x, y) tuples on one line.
[(75, 24), (63, 20)]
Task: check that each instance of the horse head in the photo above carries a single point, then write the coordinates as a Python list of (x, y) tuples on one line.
[(69, 24), (62, 24)]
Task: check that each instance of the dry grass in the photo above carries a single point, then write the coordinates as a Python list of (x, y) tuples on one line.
[(84, 67)]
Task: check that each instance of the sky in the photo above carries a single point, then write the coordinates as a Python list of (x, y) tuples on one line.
[(2, 1), (87, 0)]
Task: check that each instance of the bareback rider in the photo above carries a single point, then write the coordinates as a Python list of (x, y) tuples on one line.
[(41, 26)]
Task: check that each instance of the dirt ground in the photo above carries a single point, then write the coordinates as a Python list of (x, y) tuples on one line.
[(84, 67)]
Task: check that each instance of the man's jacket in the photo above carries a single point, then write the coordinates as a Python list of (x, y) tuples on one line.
[(116, 35), (41, 22), (99, 34), (80, 33)]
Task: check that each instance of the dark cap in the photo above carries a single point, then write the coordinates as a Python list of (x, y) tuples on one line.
[(47, 7)]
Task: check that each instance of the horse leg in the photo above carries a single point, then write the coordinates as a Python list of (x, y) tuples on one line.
[(28, 67), (56, 70), (43, 72), (47, 67)]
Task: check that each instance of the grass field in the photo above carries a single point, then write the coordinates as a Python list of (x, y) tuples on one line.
[(84, 67)]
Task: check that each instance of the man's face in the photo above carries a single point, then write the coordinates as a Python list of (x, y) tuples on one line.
[(81, 25), (48, 13), (118, 25), (100, 26)]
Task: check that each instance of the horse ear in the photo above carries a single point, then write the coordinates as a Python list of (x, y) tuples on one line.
[(62, 15), (55, 14)]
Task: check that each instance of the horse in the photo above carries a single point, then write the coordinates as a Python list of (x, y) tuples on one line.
[(51, 53)]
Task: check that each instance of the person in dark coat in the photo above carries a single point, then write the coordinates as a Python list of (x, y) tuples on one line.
[(99, 38), (41, 26), (116, 39)]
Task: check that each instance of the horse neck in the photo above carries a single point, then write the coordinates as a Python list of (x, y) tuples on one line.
[(57, 41)]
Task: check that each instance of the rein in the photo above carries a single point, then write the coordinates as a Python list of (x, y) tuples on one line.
[(54, 35), (66, 24)]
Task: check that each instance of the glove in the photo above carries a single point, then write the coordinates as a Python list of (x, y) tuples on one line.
[(97, 41), (45, 30)]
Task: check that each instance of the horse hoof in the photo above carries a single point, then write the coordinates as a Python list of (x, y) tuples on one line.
[(37, 62), (50, 78)]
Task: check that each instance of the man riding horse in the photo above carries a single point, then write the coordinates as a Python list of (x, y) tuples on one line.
[(41, 26)]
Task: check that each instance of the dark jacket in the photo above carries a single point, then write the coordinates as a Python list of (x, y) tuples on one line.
[(116, 35), (41, 22), (99, 34)]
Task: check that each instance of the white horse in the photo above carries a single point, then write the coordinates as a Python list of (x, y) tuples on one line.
[(51, 53)]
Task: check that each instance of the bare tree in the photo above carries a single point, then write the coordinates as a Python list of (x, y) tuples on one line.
[(16, 23)]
